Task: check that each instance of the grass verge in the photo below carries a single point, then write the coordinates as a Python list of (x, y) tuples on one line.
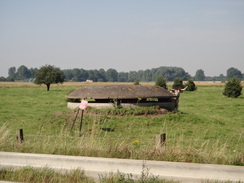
[(47, 175)]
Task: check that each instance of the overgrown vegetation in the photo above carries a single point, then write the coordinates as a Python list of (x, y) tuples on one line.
[(127, 111), (190, 85), (48, 175), (208, 128), (43, 175), (233, 88), (178, 83), (161, 82), (137, 82)]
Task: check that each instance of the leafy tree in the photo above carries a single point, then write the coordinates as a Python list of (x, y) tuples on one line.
[(9, 79), (233, 88), (123, 76), (132, 76), (112, 75), (200, 76), (23, 73), (83, 75), (178, 83), (190, 85), (68, 73), (12, 72), (221, 77), (147, 75), (2, 78), (169, 73), (161, 82), (33, 72), (102, 75), (233, 72), (92, 75), (77, 74), (49, 75)]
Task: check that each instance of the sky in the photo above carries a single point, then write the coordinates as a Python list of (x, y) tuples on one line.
[(126, 35)]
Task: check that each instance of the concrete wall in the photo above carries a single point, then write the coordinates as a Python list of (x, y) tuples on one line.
[(166, 105)]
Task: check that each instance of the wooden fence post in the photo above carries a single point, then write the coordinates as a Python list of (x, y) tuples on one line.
[(20, 135), (161, 141)]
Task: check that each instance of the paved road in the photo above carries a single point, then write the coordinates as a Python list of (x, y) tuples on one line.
[(185, 172)]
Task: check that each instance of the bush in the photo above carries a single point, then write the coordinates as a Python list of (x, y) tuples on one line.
[(178, 83), (190, 86), (137, 82), (233, 88), (161, 82)]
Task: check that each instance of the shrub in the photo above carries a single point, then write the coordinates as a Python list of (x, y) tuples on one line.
[(178, 83), (190, 86), (233, 88), (161, 82), (137, 82)]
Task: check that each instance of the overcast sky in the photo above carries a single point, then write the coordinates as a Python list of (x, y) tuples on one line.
[(127, 35)]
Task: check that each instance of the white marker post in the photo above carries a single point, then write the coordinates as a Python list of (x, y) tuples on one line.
[(83, 106)]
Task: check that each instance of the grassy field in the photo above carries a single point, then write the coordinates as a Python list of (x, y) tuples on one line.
[(208, 128)]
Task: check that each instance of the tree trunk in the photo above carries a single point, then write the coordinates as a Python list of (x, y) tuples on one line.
[(48, 87)]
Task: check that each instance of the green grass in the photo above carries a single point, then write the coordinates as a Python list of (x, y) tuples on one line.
[(47, 175), (208, 128), (44, 175)]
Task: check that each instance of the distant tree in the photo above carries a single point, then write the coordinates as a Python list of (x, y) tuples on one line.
[(147, 75), (178, 83), (123, 76), (169, 73), (161, 82), (233, 72), (200, 76), (23, 73), (221, 77), (9, 79), (76, 75), (83, 75), (68, 73), (102, 75), (12, 72), (132, 76), (49, 75), (92, 75), (112, 75), (2, 78), (33, 72), (190, 85), (233, 88), (139, 75)]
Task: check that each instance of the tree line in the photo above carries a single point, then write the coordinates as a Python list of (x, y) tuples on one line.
[(112, 75)]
